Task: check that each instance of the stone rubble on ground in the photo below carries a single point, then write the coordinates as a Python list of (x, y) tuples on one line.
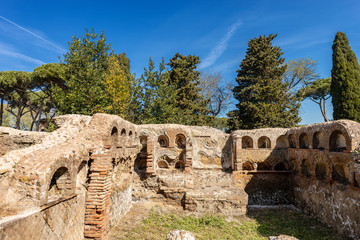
[(180, 235), (282, 237)]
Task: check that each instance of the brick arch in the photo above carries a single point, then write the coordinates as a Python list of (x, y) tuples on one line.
[(318, 140), (292, 140), (338, 141), (304, 141), (163, 140), (180, 140), (338, 126), (264, 142), (282, 142), (173, 133), (114, 133), (70, 182), (247, 166), (247, 142)]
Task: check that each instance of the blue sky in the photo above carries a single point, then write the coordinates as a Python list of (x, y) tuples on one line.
[(217, 31)]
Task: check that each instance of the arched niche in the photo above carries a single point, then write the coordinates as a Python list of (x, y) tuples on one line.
[(337, 141), (163, 164), (339, 174), (264, 166), (318, 141), (294, 165), (130, 133), (247, 142), (282, 142), (304, 141), (142, 164), (163, 141), (292, 142), (180, 141), (264, 142), (114, 134), (180, 165), (282, 166), (247, 166), (59, 183), (320, 171), (123, 132), (305, 168), (143, 142)]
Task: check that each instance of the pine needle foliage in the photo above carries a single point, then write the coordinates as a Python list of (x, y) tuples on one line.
[(345, 83), (183, 78), (263, 99)]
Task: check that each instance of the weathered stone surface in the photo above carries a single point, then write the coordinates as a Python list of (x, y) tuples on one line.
[(115, 163), (282, 237), (180, 235)]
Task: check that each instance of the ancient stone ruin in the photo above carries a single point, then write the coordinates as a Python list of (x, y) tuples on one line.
[(81, 179)]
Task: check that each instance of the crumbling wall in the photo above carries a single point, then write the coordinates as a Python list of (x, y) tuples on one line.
[(261, 165), (326, 174), (190, 167), (63, 219), (12, 139), (101, 164)]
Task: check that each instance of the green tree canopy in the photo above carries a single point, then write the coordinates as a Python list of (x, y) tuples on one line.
[(345, 80), (318, 92), (264, 100), (183, 78), (86, 64), (19, 85)]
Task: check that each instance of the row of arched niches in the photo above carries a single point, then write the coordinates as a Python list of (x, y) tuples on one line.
[(336, 142), (325, 152)]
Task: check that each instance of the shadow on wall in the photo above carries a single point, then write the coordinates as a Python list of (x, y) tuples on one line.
[(267, 182), (226, 156)]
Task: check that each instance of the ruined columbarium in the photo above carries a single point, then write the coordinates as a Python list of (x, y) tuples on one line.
[(78, 181)]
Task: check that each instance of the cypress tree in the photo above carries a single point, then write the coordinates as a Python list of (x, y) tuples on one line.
[(184, 80), (345, 80), (264, 100)]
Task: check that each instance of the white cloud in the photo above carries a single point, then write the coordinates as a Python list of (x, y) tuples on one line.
[(20, 56), (220, 48)]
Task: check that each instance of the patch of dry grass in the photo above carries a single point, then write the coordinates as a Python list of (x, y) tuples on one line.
[(259, 224)]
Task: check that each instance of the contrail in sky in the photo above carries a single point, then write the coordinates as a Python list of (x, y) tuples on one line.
[(34, 34), (220, 48)]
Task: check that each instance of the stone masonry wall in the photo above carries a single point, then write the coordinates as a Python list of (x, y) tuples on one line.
[(326, 174), (58, 220), (95, 167)]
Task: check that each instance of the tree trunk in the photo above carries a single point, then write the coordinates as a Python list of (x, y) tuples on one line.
[(1, 111), (325, 117), (18, 121)]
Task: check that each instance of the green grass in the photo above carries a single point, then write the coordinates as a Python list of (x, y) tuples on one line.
[(257, 225)]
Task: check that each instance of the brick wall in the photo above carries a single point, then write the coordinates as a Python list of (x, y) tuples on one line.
[(98, 197)]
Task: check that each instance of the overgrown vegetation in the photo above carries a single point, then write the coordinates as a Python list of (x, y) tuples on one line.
[(257, 225), (90, 78)]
